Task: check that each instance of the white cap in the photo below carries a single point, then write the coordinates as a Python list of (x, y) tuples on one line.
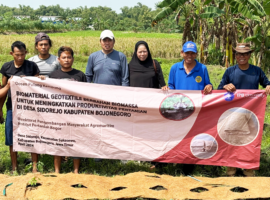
[(107, 34)]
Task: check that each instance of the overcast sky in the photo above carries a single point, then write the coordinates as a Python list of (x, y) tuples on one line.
[(114, 5)]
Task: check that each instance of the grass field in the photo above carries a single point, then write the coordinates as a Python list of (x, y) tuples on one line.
[(79, 40), (121, 34), (86, 42)]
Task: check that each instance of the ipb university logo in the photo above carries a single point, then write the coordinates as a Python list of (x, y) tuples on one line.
[(229, 96)]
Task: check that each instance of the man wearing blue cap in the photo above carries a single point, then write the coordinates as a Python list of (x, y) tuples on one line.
[(189, 74)]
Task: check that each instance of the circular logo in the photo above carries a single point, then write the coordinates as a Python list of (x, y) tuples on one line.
[(176, 107), (198, 79), (229, 96)]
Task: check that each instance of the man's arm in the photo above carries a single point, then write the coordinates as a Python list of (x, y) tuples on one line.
[(208, 87), (225, 83), (83, 78), (171, 81), (265, 82), (3, 98), (206, 78), (89, 70), (4, 90), (160, 75), (229, 87), (36, 70), (125, 71)]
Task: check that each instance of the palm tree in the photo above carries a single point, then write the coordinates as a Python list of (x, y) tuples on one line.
[(260, 37)]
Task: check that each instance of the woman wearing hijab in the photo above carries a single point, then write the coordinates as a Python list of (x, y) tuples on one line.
[(143, 70)]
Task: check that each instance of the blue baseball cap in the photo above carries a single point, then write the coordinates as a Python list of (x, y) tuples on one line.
[(190, 46)]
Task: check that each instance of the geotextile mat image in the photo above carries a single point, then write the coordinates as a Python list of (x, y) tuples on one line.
[(134, 185)]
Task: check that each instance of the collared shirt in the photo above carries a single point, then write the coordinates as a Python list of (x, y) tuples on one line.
[(110, 69), (196, 79), (244, 79)]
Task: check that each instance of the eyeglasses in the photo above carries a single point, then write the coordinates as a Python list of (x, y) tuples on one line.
[(242, 54)]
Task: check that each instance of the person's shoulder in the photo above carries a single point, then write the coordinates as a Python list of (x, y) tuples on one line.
[(54, 61), (118, 53), (55, 73), (33, 58), (255, 67), (200, 65), (121, 53), (8, 63), (231, 68), (58, 70), (157, 63), (6, 66), (154, 60), (53, 57), (80, 74), (76, 71), (30, 63), (96, 53), (178, 64), (95, 56)]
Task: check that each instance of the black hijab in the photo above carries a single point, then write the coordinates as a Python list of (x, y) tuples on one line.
[(135, 64), (142, 73)]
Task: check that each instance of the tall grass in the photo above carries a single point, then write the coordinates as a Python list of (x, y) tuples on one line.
[(121, 34), (161, 45)]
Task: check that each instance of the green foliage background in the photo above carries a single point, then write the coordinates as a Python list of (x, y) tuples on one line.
[(136, 18)]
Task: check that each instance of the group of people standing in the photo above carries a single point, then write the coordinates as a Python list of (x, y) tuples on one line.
[(110, 67)]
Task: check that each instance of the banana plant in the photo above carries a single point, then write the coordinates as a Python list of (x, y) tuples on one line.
[(261, 38), (205, 11), (231, 12), (193, 25)]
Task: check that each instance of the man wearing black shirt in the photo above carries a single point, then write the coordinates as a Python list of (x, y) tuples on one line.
[(17, 67), (65, 58)]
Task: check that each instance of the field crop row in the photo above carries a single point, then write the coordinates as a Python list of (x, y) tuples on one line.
[(85, 45), (122, 34)]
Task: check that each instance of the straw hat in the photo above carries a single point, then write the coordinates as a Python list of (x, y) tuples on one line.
[(243, 48)]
